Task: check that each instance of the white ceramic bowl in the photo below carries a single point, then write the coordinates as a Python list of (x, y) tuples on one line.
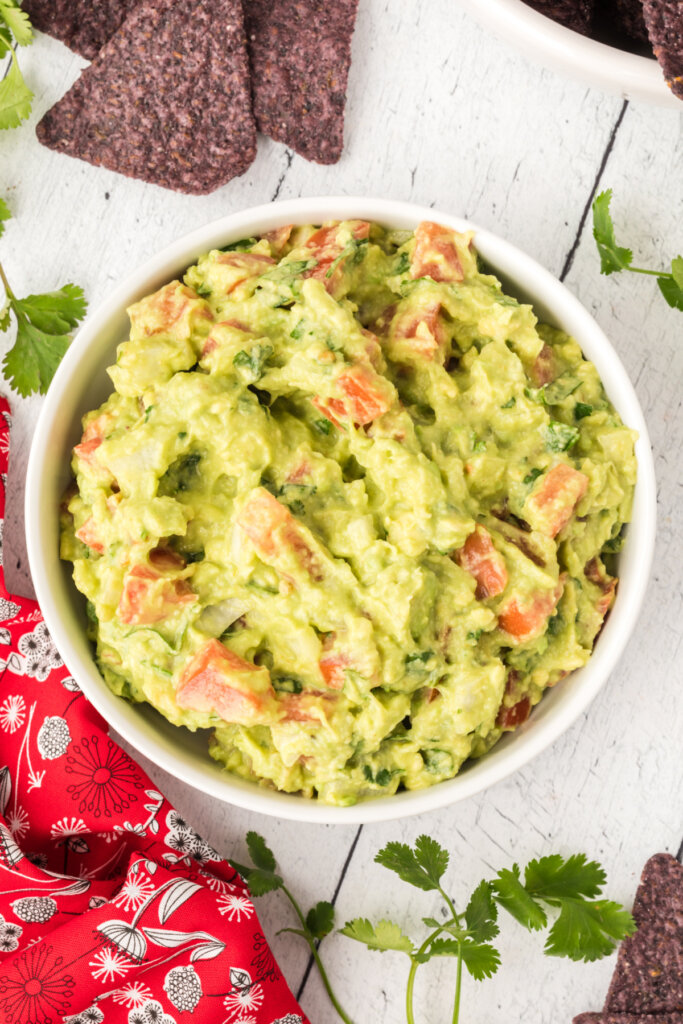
[(607, 67), (81, 384)]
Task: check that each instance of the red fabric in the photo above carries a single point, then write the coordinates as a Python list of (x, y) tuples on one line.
[(112, 909)]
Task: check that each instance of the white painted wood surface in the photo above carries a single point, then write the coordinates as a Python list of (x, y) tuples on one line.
[(444, 114)]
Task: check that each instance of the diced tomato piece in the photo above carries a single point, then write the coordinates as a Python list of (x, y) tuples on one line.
[(509, 718), (149, 597), (332, 409), (480, 558), (527, 620), (365, 397), (435, 254), (333, 668), (161, 312), (381, 324), (311, 706), (552, 503), (260, 517), (596, 573), (544, 369), (333, 663), (341, 653), (86, 449), (366, 401), (325, 238), (217, 679), (326, 249), (424, 328), (238, 267), (274, 532), (278, 238), (89, 534)]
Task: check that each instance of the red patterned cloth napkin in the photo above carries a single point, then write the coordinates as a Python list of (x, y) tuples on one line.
[(112, 909)]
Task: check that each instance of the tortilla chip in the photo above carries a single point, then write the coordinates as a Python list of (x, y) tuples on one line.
[(664, 20), (300, 53), (628, 15), (628, 1018), (648, 978), (83, 25), (575, 14), (166, 100)]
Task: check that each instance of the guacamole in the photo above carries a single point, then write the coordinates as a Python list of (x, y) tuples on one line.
[(349, 507)]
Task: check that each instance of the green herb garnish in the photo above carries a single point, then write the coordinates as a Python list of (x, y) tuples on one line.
[(585, 926), (318, 922), (581, 410), (559, 437), (15, 95), (614, 258)]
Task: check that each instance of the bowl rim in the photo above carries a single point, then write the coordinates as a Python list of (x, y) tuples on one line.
[(509, 754), (630, 75)]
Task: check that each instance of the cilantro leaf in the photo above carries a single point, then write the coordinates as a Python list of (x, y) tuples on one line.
[(480, 959), (15, 97), (5, 214), (32, 361), (261, 882), (439, 947), (17, 21), (320, 919), (581, 410), (588, 931), (44, 323), (481, 913), (554, 877), (677, 270), (612, 256), (431, 922), (559, 437), (672, 291), (381, 937), (260, 852), (513, 897), (54, 312), (422, 867)]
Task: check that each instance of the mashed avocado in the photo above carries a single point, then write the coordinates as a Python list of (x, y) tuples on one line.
[(349, 506)]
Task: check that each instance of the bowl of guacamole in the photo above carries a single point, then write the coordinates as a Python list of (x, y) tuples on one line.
[(337, 515)]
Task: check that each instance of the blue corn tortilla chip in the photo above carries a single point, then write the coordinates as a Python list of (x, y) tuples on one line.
[(648, 978), (300, 52), (664, 20), (166, 100), (628, 1018), (82, 25), (574, 14)]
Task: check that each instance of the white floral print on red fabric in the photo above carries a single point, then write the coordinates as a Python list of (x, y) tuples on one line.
[(12, 712), (41, 655), (235, 906)]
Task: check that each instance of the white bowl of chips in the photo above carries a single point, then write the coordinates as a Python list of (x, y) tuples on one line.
[(631, 75), (81, 383)]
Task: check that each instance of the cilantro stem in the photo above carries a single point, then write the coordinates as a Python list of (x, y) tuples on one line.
[(410, 1014), (316, 956), (458, 986), (5, 282), (652, 273)]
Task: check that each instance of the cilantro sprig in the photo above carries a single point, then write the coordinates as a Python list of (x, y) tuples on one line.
[(15, 95), (262, 878), (614, 258), (43, 329), (584, 925)]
